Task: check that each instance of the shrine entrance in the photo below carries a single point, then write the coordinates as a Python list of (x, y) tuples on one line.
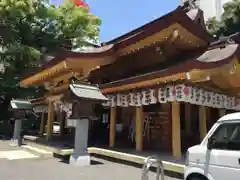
[(156, 127), (125, 127), (99, 130), (213, 116), (189, 117)]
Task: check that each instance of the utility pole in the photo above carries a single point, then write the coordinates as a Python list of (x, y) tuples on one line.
[(218, 6), (181, 2)]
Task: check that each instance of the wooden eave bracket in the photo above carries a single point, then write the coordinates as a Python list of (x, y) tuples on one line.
[(144, 83), (199, 75), (44, 75)]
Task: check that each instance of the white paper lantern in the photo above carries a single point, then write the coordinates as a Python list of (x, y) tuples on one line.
[(162, 95), (138, 99), (214, 100), (198, 97), (192, 95), (203, 97), (179, 92), (170, 93), (237, 107), (232, 103), (208, 98), (113, 101), (221, 103), (183, 93), (151, 98), (225, 101), (148, 97), (235, 103), (124, 99), (218, 100), (107, 103), (187, 93), (131, 97), (119, 100), (228, 103), (144, 98)]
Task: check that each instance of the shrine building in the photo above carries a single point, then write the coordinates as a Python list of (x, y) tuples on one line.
[(166, 83)]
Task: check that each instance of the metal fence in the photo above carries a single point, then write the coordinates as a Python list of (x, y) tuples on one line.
[(148, 163)]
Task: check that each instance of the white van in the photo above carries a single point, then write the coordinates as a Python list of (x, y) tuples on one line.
[(218, 156)]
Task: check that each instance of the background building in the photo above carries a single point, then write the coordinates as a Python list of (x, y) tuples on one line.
[(210, 8)]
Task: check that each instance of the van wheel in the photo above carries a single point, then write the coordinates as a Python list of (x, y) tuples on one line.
[(197, 177)]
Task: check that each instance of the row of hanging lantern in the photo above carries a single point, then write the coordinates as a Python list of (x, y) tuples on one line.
[(63, 107), (180, 93)]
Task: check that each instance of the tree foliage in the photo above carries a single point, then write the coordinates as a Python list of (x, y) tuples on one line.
[(230, 20), (29, 29), (32, 29)]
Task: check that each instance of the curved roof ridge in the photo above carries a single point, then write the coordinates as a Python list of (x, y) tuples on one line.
[(218, 54), (178, 12)]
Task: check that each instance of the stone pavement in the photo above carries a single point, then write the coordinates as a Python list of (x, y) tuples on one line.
[(14, 153), (38, 168), (4, 146)]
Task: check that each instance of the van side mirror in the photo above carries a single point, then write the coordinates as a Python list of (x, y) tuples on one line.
[(210, 143)]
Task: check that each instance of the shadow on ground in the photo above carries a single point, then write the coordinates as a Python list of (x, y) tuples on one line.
[(5, 138), (65, 160), (136, 165)]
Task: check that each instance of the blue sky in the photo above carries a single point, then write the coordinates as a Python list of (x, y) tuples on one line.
[(119, 17)]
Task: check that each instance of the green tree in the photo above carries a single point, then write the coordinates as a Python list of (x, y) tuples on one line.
[(32, 29), (230, 20)]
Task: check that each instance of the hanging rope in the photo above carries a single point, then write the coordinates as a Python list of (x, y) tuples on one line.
[(147, 123), (132, 130)]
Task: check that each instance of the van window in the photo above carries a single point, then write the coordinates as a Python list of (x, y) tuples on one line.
[(227, 137)]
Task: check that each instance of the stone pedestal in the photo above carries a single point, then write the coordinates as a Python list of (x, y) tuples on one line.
[(17, 140), (80, 156)]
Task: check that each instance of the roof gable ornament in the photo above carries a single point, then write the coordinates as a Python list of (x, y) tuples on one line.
[(190, 4)]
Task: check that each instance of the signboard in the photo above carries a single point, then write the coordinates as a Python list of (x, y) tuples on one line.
[(71, 123)]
